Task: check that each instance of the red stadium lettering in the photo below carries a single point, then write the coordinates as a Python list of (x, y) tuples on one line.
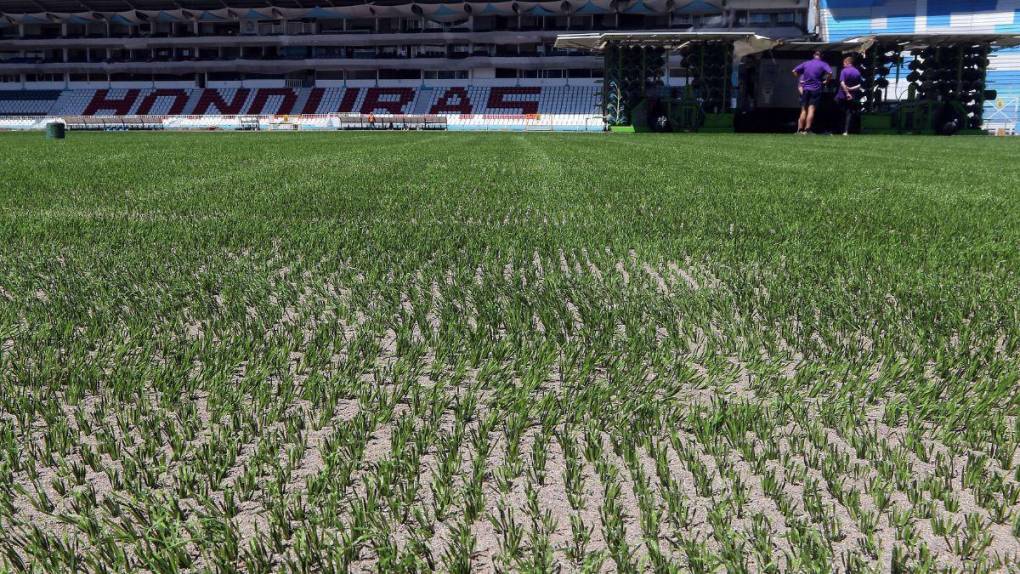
[(180, 100), (212, 98), (374, 101), (262, 96), (314, 99), (120, 107), (453, 101), (498, 99), (347, 103)]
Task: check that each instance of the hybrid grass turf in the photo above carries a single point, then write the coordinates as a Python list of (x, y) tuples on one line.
[(407, 352)]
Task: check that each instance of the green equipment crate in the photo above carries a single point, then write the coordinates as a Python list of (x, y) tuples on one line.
[(685, 116), (877, 123), (55, 130), (717, 123), (916, 117)]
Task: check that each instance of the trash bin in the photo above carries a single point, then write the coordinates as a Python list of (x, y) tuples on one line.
[(55, 130)]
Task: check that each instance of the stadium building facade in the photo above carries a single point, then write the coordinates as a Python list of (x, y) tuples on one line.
[(480, 63)]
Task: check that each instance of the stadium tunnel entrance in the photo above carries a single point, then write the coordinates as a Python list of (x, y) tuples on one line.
[(740, 81)]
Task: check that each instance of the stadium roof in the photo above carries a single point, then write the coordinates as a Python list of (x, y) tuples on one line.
[(928, 40), (598, 41), (60, 7), (749, 42), (852, 45)]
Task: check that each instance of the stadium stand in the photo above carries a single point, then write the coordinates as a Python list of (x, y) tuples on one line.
[(26, 102), (483, 107)]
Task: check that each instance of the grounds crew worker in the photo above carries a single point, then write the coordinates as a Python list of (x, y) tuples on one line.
[(813, 74), (849, 93)]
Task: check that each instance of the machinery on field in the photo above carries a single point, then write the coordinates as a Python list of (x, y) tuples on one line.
[(739, 81), (913, 83), (946, 91), (635, 68)]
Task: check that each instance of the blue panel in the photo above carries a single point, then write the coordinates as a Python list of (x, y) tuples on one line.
[(537, 11), (256, 15), (842, 4), (940, 11), (493, 9), (320, 14), (1013, 28), (697, 7), (900, 24), (639, 7), (944, 8)]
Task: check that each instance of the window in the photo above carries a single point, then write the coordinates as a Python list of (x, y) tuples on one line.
[(44, 77), (789, 18), (330, 26), (361, 25), (410, 25), (130, 77), (263, 76), (389, 25), (484, 23), (173, 78), (431, 51), (399, 74), (446, 74)]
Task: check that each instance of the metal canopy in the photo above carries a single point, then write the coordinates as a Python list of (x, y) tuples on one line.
[(853, 45), (597, 42), (919, 41), (861, 44)]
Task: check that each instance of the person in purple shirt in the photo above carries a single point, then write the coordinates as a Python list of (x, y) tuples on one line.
[(849, 94), (813, 74)]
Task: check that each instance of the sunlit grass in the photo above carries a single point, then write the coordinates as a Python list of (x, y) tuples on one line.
[(408, 352)]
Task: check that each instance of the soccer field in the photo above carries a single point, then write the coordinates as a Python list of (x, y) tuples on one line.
[(404, 352)]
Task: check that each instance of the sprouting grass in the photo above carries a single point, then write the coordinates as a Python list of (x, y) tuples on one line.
[(410, 352)]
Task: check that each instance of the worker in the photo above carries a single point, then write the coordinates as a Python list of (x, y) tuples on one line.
[(812, 74), (849, 94)]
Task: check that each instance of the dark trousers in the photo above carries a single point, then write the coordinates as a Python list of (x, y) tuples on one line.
[(850, 109)]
